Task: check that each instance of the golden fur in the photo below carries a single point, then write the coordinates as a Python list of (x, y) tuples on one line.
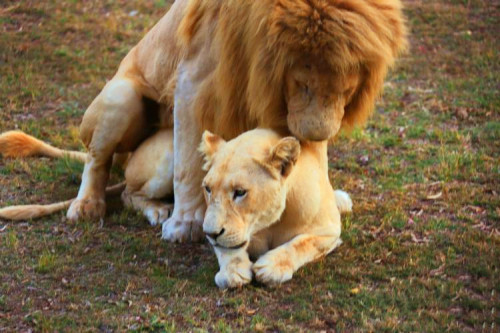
[(147, 176), (301, 67), (268, 199), (288, 215), (18, 144), (258, 41)]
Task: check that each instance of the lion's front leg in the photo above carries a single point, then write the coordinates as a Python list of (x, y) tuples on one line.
[(235, 268), (278, 265), (186, 221)]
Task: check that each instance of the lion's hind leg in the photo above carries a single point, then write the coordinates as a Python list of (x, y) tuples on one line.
[(149, 176), (156, 211), (116, 118)]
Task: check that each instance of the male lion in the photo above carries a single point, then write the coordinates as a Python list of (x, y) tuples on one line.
[(268, 197), (300, 67)]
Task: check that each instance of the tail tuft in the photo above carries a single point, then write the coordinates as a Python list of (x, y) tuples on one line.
[(18, 144), (344, 202)]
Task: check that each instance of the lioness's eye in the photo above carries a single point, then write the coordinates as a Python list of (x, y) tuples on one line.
[(208, 190), (239, 193)]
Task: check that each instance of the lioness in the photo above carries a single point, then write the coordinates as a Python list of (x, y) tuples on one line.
[(269, 198)]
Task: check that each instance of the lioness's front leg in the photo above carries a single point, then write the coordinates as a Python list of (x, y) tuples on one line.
[(279, 264), (187, 218), (235, 267)]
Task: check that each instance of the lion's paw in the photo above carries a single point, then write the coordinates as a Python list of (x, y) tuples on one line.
[(272, 269), (86, 209), (177, 230), (158, 214), (234, 276)]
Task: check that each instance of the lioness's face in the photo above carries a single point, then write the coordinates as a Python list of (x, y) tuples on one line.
[(244, 188), (316, 97)]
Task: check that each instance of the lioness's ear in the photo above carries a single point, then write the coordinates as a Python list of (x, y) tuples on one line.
[(284, 155), (210, 143)]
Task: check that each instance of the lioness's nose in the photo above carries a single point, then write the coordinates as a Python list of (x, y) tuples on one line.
[(214, 235)]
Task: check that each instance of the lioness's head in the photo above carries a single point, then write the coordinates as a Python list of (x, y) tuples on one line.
[(245, 187)]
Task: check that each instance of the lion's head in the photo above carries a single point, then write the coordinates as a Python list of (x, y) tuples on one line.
[(245, 186), (337, 52), (308, 67)]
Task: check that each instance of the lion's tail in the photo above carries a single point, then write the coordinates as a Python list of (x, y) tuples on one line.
[(344, 202), (26, 212), (20, 144)]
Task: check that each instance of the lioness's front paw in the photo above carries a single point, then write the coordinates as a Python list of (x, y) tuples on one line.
[(178, 229), (157, 214), (272, 269), (86, 208), (234, 276)]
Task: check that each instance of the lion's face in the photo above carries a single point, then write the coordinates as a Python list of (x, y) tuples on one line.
[(316, 97), (245, 187)]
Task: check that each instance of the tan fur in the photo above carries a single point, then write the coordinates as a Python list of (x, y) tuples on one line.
[(19, 144), (300, 67), (254, 36), (29, 212), (287, 216), (147, 180)]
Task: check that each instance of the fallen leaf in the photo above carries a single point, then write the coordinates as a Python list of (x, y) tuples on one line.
[(363, 160), (462, 113), (437, 271), (434, 196), (417, 240), (476, 209), (251, 311)]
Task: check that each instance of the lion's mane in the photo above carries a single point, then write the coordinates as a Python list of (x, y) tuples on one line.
[(255, 42)]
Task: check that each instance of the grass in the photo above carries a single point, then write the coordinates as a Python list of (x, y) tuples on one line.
[(420, 250)]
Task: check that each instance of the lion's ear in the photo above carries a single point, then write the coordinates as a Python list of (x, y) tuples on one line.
[(209, 145), (284, 155)]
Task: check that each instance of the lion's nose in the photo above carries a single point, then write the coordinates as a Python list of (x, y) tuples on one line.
[(214, 235)]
